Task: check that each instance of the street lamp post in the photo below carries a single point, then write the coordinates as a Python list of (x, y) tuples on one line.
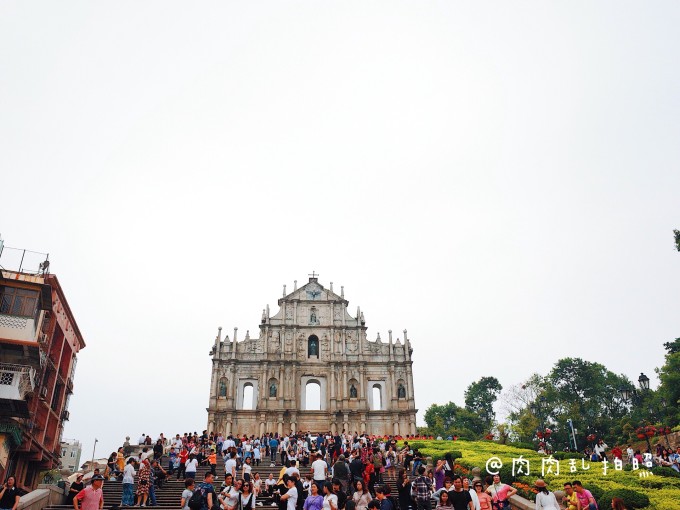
[(93, 450)]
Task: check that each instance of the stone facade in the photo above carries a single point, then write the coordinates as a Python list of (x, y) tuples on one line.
[(312, 339)]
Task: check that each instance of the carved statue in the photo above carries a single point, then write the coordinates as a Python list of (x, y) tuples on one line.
[(352, 391), (223, 388), (272, 389), (312, 316), (401, 391)]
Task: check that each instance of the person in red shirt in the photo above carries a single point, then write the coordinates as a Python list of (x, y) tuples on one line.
[(91, 496), (617, 452), (183, 456)]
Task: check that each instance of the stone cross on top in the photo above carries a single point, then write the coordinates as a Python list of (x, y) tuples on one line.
[(313, 276)]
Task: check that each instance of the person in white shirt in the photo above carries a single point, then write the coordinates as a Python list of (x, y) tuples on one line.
[(293, 470), (128, 483), (230, 464), (330, 500), (189, 485), (600, 448), (191, 466), (545, 500), (229, 443), (270, 483), (319, 470), (231, 497), (473, 493), (291, 496), (142, 439), (246, 469)]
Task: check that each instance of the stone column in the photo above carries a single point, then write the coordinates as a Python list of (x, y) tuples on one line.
[(409, 383), (295, 335)]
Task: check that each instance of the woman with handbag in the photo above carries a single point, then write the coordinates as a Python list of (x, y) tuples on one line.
[(500, 493), (246, 499)]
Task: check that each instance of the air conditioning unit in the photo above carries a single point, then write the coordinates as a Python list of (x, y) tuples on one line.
[(65, 416), (43, 392)]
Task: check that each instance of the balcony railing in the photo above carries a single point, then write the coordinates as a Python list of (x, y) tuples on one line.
[(16, 381)]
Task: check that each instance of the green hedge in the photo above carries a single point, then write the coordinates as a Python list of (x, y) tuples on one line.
[(440, 455), (527, 446), (567, 455), (665, 471), (597, 492), (632, 499), (652, 484)]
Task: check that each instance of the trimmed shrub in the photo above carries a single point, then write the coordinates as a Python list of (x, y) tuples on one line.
[(527, 446), (440, 455), (596, 491), (567, 455), (652, 484), (665, 471), (631, 498), (505, 473), (416, 444)]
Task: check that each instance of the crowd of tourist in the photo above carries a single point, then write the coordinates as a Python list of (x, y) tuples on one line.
[(315, 472)]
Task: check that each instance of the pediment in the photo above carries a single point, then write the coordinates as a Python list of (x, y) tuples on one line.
[(313, 291)]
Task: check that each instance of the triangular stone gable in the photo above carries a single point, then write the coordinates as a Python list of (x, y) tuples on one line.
[(313, 286)]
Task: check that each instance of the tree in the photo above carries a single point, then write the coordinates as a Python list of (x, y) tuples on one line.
[(676, 233), (672, 347), (519, 396), (587, 393), (669, 375), (452, 420), (480, 397)]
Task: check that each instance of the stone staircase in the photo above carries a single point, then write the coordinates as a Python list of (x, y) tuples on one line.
[(169, 497)]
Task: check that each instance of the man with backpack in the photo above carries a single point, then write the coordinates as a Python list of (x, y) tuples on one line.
[(204, 496)]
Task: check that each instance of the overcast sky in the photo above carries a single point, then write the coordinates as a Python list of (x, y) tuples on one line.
[(499, 178)]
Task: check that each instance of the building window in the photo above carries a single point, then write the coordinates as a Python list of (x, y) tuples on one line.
[(377, 398), (56, 397), (248, 394), (73, 454), (6, 378), (313, 396), (313, 347), (20, 302)]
